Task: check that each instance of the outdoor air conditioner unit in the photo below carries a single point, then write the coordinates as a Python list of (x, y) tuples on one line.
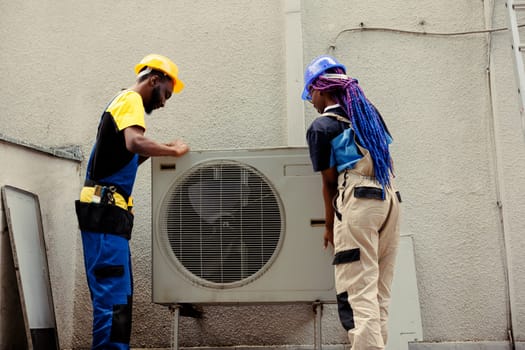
[(235, 226)]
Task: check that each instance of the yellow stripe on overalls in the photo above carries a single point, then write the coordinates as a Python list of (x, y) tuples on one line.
[(86, 196)]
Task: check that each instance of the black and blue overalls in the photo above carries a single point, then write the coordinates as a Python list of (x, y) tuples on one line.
[(106, 220)]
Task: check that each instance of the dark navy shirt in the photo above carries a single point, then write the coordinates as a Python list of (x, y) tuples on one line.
[(330, 145), (319, 135)]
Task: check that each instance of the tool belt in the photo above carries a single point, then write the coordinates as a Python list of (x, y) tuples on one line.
[(110, 187), (101, 215)]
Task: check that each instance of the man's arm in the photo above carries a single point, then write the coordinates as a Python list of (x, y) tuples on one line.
[(137, 143), (329, 178), (142, 159)]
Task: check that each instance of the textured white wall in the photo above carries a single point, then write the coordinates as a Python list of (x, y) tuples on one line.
[(510, 153), (62, 61), (55, 182), (434, 93)]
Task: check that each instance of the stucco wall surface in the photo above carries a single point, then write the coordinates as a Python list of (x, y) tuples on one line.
[(52, 179), (73, 57), (434, 93), (458, 147), (510, 154)]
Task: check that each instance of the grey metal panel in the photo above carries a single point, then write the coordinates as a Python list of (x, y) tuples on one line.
[(404, 323), (24, 221)]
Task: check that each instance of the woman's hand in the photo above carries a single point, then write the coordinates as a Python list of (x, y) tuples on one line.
[(329, 179), (328, 238)]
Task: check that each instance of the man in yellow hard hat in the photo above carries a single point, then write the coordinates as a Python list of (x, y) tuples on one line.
[(104, 210)]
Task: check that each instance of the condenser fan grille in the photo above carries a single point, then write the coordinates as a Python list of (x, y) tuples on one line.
[(223, 222)]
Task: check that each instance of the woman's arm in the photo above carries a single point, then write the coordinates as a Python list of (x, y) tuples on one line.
[(329, 179)]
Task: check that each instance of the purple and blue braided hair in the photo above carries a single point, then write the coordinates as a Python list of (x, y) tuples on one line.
[(365, 119)]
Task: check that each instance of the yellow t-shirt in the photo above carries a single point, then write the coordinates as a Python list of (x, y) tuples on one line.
[(110, 160), (127, 110)]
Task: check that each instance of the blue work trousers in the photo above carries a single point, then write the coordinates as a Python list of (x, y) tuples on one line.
[(107, 261)]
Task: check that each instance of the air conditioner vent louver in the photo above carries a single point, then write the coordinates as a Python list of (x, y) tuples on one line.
[(223, 222)]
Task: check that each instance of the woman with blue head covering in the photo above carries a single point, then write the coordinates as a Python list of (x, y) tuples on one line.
[(349, 144)]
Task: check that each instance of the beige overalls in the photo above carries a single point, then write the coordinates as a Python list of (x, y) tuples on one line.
[(366, 239)]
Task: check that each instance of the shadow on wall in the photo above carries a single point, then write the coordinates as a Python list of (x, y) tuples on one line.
[(12, 329)]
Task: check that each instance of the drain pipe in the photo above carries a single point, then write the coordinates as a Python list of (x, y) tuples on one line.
[(295, 106), (489, 14), (318, 338), (294, 72), (175, 314)]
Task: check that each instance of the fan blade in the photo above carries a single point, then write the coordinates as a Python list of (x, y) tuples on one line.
[(214, 199)]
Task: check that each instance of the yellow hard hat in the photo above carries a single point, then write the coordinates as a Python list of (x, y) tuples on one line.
[(163, 64)]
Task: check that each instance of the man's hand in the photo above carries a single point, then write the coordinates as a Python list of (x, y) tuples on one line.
[(137, 143), (180, 148)]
